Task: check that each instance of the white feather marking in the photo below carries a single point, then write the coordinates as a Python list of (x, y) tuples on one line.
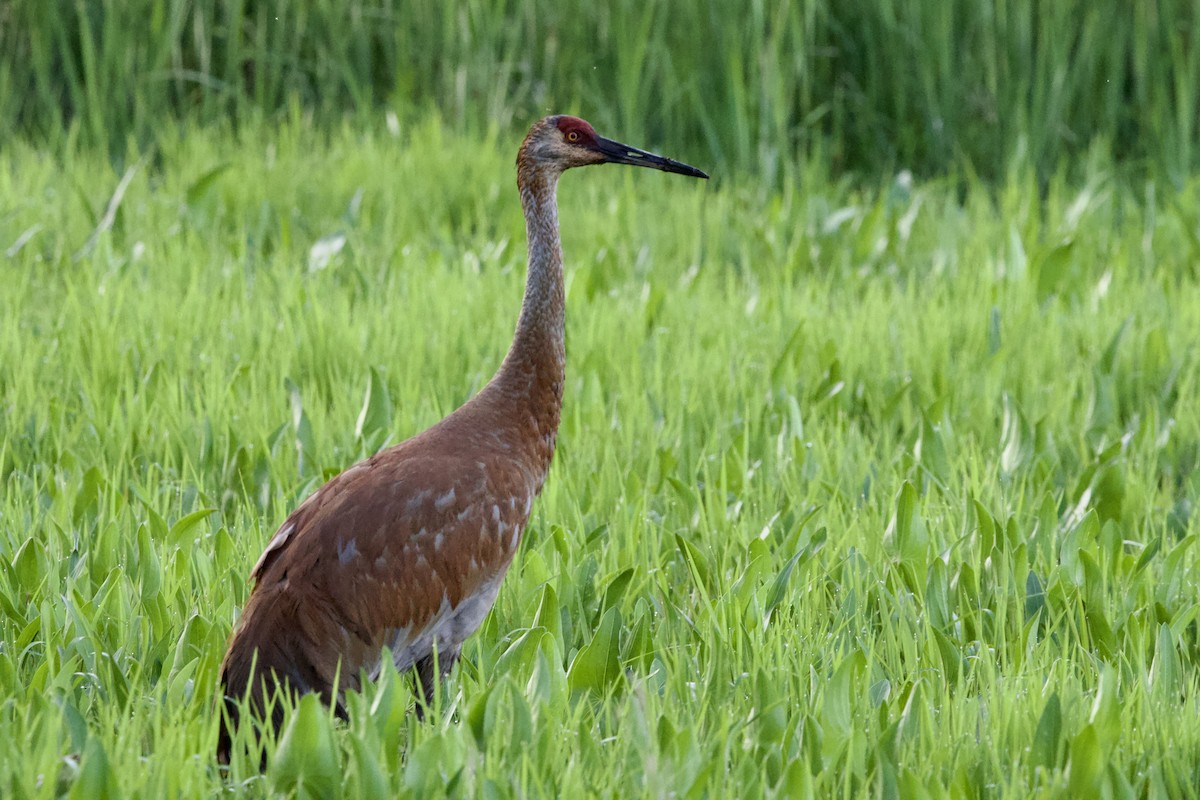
[(495, 513), (444, 502), (437, 541), (416, 501), (466, 512), (347, 551), (512, 545), (277, 541)]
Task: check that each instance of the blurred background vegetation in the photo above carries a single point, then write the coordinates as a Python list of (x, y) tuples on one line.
[(933, 86)]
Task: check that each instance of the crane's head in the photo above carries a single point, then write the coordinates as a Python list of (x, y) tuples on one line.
[(561, 142)]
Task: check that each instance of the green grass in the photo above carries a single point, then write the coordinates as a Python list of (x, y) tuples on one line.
[(932, 86), (879, 491)]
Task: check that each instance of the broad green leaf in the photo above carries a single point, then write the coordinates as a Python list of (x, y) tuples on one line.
[(548, 684), (837, 708), (1047, 739), (597, 665), (549, 614), (376, 414), (640, 649), (1148, 553), (307, 761), (1053, 269), (616, 589), (29, 565), (478, 719), (1016, 437), (372, 782), (517, 658), (200, 187), (184, 525), (1165, 671), (906, 533), (778, 590), (1085, 766), (86, 501), (1108, 358), (784, 360), (149, 569), (696, 561), (96, 779)]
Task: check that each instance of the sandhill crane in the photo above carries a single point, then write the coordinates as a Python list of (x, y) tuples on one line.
[(406, 550)]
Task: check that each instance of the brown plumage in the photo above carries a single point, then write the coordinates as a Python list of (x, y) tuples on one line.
[(407, 549)]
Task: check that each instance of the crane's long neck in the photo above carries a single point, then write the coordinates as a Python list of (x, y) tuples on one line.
[(538, 343), (530, 381)]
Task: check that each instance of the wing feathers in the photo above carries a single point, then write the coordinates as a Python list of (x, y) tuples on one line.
[(396, 552)]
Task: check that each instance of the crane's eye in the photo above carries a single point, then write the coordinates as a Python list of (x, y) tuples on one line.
[(573, 136)]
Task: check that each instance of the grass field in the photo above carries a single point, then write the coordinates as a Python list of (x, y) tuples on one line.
[(861, 490)]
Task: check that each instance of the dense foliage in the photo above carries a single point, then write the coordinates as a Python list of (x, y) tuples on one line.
[(931, 86)]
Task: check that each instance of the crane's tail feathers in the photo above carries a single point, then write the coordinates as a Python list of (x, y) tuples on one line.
[(263, 696)]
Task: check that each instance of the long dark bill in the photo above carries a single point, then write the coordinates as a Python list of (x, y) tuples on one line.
[(618, 153)]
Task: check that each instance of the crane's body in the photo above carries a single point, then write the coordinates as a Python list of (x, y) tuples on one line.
[(407, 550)]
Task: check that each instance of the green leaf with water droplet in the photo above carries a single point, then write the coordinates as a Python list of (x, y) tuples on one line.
[(185, 525)]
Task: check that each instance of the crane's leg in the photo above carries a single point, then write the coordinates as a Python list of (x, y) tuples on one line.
[(429, 670)]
